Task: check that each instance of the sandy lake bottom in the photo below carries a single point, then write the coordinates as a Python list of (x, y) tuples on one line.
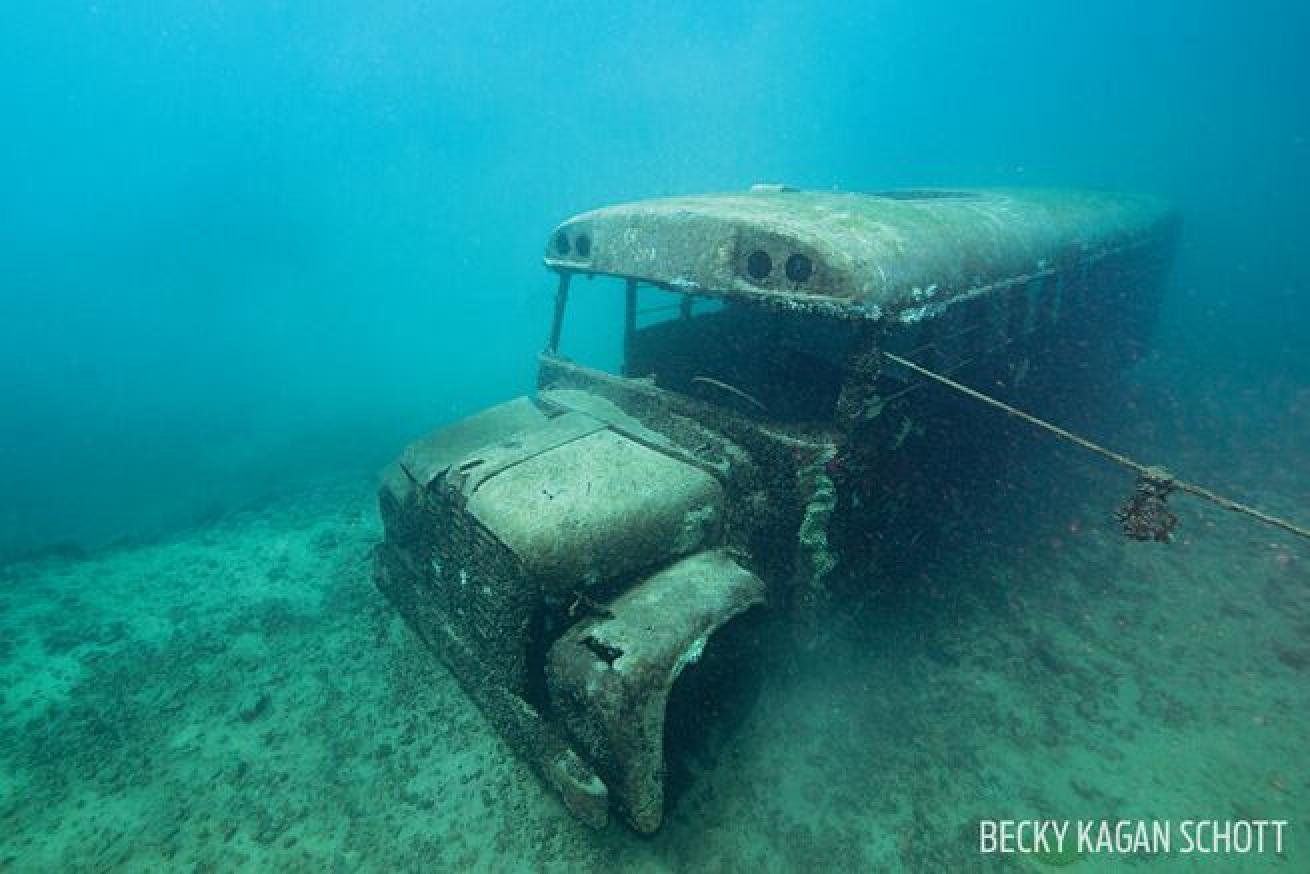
[(240, 697)]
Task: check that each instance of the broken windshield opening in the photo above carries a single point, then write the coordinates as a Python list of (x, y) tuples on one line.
[(778, 366)]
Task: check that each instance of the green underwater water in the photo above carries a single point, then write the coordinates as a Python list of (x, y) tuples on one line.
[(240, 697)]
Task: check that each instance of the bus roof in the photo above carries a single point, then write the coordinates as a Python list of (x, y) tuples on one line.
[(865, 255)]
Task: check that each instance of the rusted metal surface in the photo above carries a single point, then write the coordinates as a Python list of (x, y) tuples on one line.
[(610, 677), (892, 255), (596, 508)]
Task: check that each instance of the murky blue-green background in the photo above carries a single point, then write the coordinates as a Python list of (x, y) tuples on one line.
[(245, 243)]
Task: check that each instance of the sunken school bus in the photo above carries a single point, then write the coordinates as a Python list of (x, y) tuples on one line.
[(579, 556)]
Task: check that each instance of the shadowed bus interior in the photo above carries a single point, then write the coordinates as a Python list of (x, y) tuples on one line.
[(769, 364)]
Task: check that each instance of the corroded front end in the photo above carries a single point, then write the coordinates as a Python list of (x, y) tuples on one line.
[(547, 545)]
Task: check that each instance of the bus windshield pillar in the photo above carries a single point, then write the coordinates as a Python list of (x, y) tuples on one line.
[(561, 301)]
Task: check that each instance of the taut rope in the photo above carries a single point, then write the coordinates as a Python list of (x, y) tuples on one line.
[(1140, 515)]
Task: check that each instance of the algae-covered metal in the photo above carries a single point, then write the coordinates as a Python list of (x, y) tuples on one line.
[(587, 558), (862, 255)]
